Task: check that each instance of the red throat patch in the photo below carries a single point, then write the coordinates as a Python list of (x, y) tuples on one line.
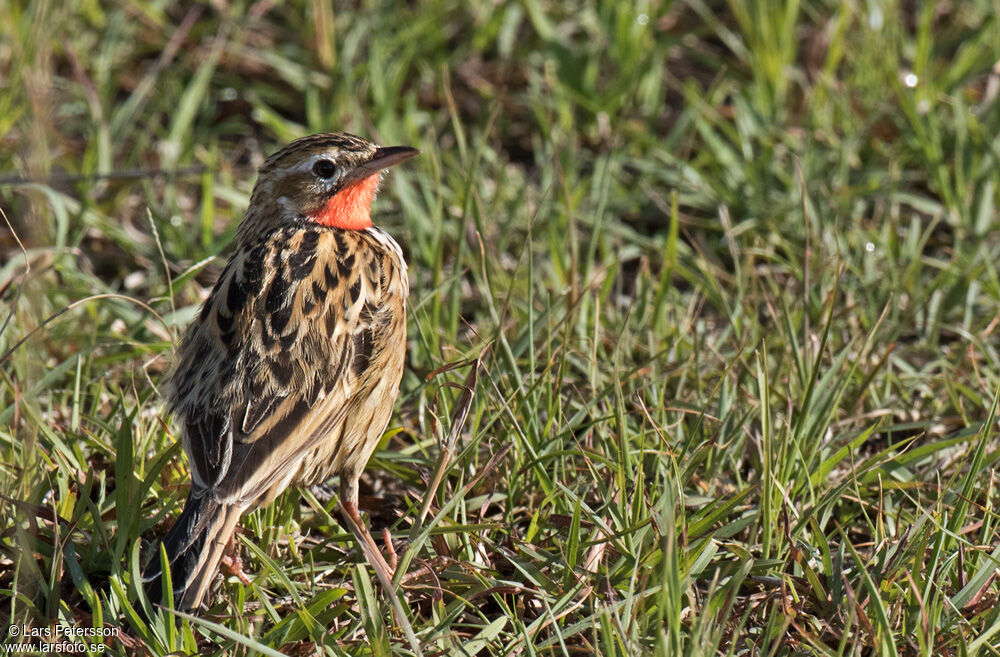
[(350, 208)]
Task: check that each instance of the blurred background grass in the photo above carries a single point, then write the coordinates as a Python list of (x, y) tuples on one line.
[(735, 262)]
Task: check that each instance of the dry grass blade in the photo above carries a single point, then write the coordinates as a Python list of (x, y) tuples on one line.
[(76, 304), (458, 419), (24, 275)]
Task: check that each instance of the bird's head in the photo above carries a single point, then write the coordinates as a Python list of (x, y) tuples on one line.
[(329, 179)]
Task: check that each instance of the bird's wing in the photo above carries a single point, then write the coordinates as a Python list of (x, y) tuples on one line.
[(272, 364)]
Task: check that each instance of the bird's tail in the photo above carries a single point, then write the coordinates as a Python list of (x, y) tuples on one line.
[(194, 547)]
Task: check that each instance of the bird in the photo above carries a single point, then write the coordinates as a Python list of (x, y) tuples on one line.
[(289, 373)]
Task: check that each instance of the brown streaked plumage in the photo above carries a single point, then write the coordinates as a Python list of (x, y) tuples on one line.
[(289, 374)]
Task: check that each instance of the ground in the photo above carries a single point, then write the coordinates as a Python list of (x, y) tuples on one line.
[(729, 269)]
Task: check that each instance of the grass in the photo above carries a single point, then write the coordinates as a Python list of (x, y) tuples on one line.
[(730, 266)]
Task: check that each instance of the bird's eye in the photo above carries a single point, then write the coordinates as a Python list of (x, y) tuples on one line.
[(324, 169)]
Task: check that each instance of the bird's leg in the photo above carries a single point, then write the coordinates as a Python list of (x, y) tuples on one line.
[(231, 562), (349, 508)]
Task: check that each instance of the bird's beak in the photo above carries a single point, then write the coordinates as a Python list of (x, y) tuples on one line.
[(390, 155), (382, 159)]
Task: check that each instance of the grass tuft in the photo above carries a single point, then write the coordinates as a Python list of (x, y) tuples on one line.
[(702, 336)]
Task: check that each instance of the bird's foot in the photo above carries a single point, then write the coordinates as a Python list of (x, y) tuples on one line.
[(231, 563), (390, 550), (368, 545)]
